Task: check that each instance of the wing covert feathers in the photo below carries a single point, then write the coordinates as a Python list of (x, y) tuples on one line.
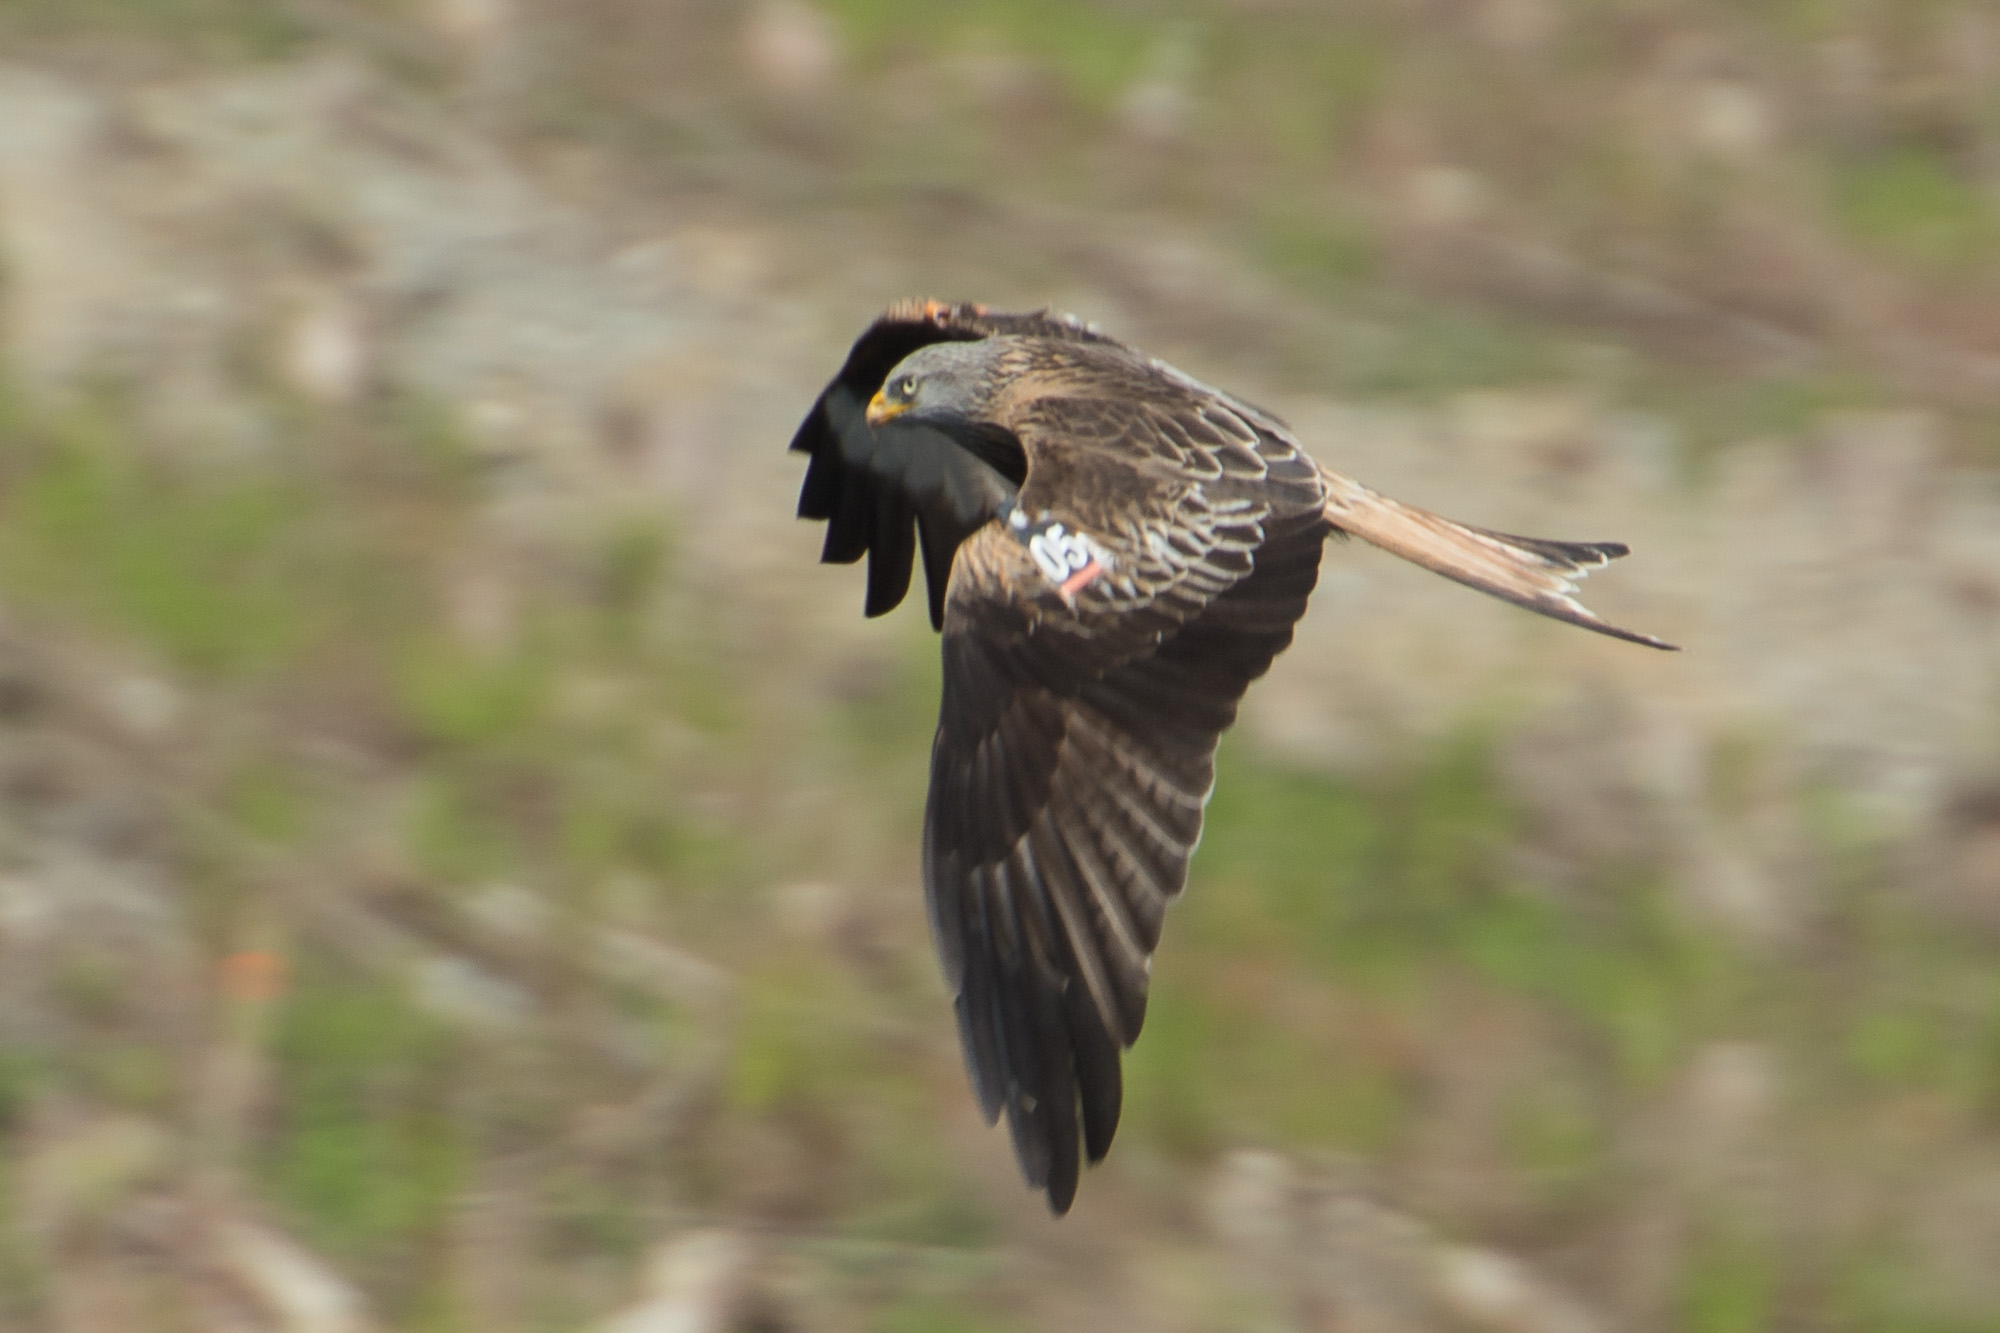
[(1530, 572)]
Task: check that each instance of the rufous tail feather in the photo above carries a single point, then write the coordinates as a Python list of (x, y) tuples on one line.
[(1532, 572)]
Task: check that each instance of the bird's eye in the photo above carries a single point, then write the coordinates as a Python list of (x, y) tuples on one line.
[(906, 387)]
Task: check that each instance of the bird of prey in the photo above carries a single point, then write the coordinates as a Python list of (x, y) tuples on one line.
[(1113, 552)]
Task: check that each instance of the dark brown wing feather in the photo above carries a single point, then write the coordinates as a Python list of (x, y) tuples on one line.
[(1075, 752), (880, 494)]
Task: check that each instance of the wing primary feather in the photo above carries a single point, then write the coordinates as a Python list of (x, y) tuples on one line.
[(1020, 1052), (938, 544), (819, 493), (1122, 780), (852, 522), (1100, 1082), (892, 550), (1124, 948), (1046, 862), (1049, 1065), (944, 882), (1093, 1012), (962, 925)]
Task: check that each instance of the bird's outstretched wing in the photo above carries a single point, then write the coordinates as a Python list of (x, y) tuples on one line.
[(879, 492), (1076, 743)]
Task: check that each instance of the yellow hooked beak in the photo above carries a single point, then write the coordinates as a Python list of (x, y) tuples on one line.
[(880, 409)]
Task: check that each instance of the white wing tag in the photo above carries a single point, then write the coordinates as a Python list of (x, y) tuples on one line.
[(1069, 560)]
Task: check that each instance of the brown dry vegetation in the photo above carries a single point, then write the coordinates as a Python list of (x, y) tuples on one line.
[(457, 850)]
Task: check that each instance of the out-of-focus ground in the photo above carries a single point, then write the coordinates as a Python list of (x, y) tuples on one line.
[(458, 850)]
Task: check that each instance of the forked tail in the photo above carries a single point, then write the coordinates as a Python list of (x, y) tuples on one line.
[(1533, 572)]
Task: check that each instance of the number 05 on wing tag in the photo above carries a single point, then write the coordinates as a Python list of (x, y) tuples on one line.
[(1069, 560)]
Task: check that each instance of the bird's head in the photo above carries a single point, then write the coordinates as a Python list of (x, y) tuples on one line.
[(944, 384)]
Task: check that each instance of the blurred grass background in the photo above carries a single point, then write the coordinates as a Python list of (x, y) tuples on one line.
[(458, 852)]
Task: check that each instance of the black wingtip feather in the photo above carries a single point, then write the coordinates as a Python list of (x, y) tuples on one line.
[(1634, 636), (1100, 1082), (892, 548), (1584, 555), (820, 491), (938, 548), (1580, 556)]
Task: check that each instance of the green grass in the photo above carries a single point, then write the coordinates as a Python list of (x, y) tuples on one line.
[(1710, 415), (368, 1149), (1730, 1284), (257, 29), (1296, 90), (1313, 246), (1913, 204), (23, 1278), (1363, 903), (1096, 50), (466, 700), (207, 572), (1557, 1134), (1433, 350), (931, 1314), (1213, 1069), (796, 1040)]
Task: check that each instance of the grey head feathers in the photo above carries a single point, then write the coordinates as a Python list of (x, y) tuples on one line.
[(947, 381)]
